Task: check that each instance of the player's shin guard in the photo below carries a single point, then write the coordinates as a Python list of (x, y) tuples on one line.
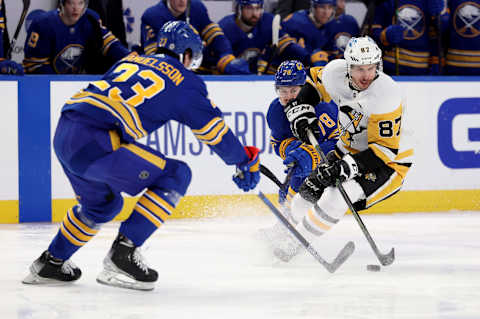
[(150, 212), (75, 231)]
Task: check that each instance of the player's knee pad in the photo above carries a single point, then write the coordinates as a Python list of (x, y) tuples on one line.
[(176, 178), (104, 211)]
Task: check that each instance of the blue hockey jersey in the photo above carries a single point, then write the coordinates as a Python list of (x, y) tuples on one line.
[(416, 47), (463, 55), (141, 93), (255, 46), (217, 47), (53, 47), (325, 43)]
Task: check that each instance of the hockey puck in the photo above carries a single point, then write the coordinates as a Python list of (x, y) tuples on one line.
[(373, 267)]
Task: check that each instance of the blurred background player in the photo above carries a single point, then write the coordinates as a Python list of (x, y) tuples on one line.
[(286, 7), (463, 53), (371, 158), (95, 141), (7, 66), (249, 30), (218, 57), (298, 157), (111, 14), (322, 34), (414, 29), (70, 40)]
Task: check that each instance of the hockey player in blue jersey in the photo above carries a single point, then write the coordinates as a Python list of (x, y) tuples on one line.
[(70, 40), (323, 34), (415, 23), (249, 30), (218, 57), (6, 66), (95, 142), (463, 49), (290, 77), (298, 157)]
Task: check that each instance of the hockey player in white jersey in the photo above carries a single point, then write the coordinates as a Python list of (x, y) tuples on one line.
[(370, 158)]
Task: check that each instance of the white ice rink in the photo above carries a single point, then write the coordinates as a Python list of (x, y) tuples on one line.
[(216, 268)]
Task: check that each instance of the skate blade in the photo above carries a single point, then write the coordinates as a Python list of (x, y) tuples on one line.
[(34, 279), (116, 279)]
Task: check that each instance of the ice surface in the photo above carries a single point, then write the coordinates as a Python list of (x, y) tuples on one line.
[(217, 268)]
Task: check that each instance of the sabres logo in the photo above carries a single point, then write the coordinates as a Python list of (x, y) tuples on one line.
[(412, 19), (466, 19)]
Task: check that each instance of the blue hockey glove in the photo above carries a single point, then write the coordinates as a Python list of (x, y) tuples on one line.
[(341, 170), (237, 66), (304, 158), (394, 34), (435, 7), (11, 67), (248, 174)]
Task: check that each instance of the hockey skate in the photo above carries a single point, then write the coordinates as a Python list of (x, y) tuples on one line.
[(124, 267), (49, 270)]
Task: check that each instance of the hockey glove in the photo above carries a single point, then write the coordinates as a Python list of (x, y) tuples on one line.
[(304, 159), (302, 118), (394, 34), (248, 174), (11, 67), (237, 66), (311, 189), (341, 170)]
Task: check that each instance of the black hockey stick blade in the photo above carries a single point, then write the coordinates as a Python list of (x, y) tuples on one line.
[(26, 6), (331, 267), (268, 173)]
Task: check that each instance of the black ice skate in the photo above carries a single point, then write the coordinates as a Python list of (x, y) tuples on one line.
[(50, 270), (124, 267)]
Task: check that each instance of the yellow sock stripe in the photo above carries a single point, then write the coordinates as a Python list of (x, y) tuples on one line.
[(317, 221), (152, 208), (152, 218), (69, 237), (160, 201), (80, 224), (152, 158)]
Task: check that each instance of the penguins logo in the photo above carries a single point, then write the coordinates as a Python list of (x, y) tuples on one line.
[(412, 19), (466, 18)]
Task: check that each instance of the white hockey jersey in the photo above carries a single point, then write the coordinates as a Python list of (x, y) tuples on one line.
[(371, 118)]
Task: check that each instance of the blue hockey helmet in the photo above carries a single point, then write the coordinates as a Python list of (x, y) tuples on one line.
[(178, 37), (317, 2), (249, 2), (289, 73)]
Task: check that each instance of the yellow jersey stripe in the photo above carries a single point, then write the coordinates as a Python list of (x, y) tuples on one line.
[(149, 157)]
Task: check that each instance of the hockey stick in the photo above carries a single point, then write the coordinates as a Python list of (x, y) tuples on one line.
[(331, 267), (275, 40), (385, 259), (26, 6), (187, 12)]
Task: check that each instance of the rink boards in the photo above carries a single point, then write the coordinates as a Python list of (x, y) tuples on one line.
[(442, 121)]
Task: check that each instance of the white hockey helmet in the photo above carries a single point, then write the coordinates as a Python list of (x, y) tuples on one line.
[(362, 51)]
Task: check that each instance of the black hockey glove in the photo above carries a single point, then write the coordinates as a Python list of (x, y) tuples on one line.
[(341, 170), (302, 118), (311, 189)]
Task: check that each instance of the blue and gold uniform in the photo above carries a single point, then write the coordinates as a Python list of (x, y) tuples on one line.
[(463, 55), (282, 137), (96, 144), (325, 42), (216, 44), (255, 46), (417, 51), (53, 47)]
